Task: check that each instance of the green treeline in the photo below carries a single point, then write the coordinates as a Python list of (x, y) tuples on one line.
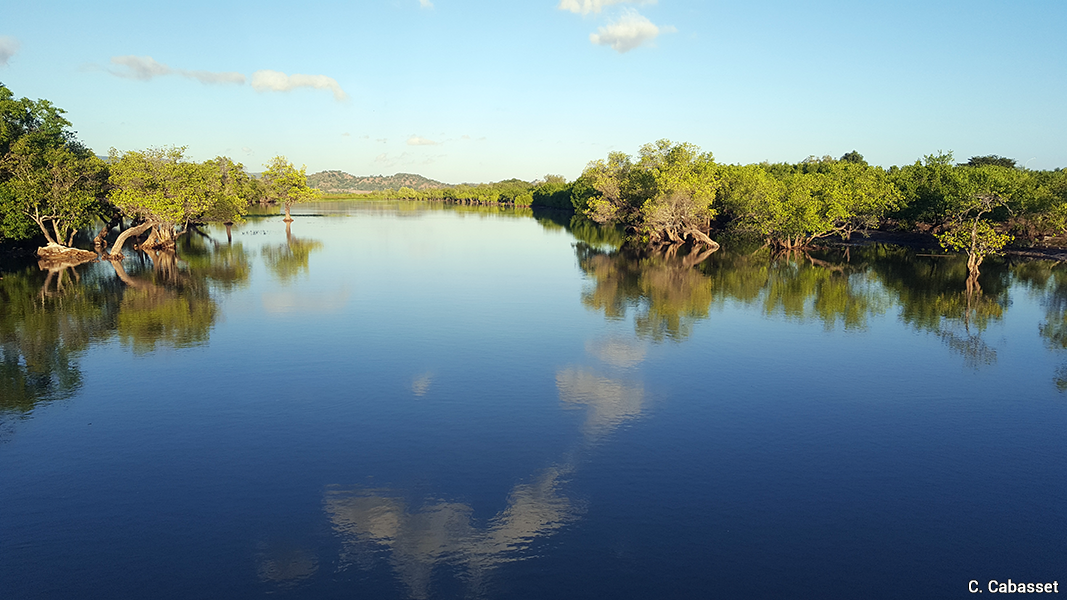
[(53, 186), (552, 191), (672, 193), (669, 194)]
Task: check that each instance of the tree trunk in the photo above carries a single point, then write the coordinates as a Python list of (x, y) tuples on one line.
[(288, 217), (153, 239), (47, 236), (701, 237), (116, 252)]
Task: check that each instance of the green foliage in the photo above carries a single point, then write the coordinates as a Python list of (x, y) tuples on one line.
[(979, 193), (977, 238), (14, 223), (793, 210), (853, 157), (669, 193), (931, 188), (1042, 205), (287, 184), (233, 190), (161, 187), (552, 192), (49, 182), (60, 188), (992, 159)]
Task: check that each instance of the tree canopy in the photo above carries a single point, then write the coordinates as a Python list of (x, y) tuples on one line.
[(166, 193), (49, 182), (286, 184)]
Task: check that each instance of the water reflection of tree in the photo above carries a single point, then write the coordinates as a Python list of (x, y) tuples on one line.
[(667, 295), (170, 305), (803, 286), (47, 318), (1048, 281), (670, 293), (225, 265), (49, 315), (164, 305), (584, 230), (940, 295), (289, 260)]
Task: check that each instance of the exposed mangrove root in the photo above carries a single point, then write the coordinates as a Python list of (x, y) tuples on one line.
[(57, 255)]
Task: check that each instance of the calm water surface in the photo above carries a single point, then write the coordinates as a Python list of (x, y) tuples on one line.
[(405, 401)]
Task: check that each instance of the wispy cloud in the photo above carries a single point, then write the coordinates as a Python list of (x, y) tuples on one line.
[(628, 32), (420, 141), (214, 77), (8, 47), (405, 159), (276, 81), (584, 7), (425, 3), (145, 68), (386, 160)]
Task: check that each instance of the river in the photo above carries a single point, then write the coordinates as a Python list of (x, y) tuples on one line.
[(404, 400)]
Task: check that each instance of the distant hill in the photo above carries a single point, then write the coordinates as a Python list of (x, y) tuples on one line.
[(335, 182)]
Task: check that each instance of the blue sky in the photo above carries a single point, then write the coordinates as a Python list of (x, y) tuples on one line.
[(482, 91)]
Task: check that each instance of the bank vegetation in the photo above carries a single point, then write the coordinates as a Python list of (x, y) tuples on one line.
[(669, 194)]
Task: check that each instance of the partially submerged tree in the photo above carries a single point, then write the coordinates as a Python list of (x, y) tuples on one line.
[(49, 182), (58, 188), (668, 196), (286, 184), (164, 193), (984, 189)]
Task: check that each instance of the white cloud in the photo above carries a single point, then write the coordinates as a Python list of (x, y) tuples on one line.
[(8, 47), (276, 81), (213, 77), (139, 67), (145, 68), (584, 7), (425, 3), (420, 141), (628, 32)]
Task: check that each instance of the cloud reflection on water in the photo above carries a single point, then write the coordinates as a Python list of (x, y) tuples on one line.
[(444, 533)]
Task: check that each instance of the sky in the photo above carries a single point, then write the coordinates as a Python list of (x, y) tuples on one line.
[(478, 91)]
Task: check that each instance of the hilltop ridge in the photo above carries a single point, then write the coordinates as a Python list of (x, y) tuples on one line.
[(336, 182)]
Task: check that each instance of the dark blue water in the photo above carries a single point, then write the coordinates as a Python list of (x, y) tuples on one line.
[(408, 402)]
